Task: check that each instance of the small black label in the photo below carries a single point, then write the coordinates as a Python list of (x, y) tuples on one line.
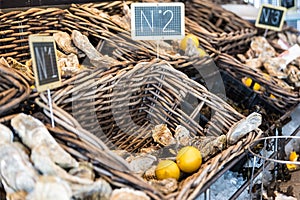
[(271, 17), (288, 3)]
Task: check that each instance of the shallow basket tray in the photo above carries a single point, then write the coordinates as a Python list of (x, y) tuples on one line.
[(122, 107)]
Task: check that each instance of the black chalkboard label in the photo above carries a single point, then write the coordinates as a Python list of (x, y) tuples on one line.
[(289, 4), (44, 60), (270, 17)]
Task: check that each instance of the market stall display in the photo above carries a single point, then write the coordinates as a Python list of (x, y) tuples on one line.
[(125, 109)]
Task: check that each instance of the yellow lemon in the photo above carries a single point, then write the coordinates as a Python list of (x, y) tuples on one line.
[(202, 52), (248, 82), (293, 156), (184, 41), (167, 169), (272, 96), (189, 159)]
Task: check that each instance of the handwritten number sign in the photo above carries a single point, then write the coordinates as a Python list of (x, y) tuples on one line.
[(271, 17), (157, 21), (44, 60), (289, 4)]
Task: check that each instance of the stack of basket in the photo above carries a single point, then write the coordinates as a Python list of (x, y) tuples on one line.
[(117, 105)]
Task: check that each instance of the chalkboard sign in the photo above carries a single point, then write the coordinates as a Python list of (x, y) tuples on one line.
[(157, 21), (289, 4), (270, 17), (44, 61)]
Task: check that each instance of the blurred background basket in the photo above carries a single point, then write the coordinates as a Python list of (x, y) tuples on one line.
[(122, 107)]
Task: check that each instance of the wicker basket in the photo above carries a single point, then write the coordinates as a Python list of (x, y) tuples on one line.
[(14, 88), (224, 30), (285, 100), (122, 106)]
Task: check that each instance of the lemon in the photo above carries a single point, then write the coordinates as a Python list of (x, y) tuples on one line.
[(202, 53), (266, 76), (167, 169), (293, 156), (248, 83), (272, 96), (184, 41), (189, 159)]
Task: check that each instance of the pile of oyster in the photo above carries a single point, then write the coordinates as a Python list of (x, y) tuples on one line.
[(34, 166), (167, 145), (284, 66)]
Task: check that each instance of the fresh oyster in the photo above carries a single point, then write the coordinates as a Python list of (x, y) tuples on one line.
[(162, 135), (100, 189), (243, 127), (209, 145), (69, 64), (50, 188), (141, 162), (6, 136), (274, 67), (64, 42), (150, 173), (16, 172), (150, 150), (130, 194), (33, 133), (84, 170), (182, 135), (165, 186), (42, 160)]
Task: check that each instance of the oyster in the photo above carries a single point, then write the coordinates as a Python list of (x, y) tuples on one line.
[(150, 173), (165, 186), (182, 135), (42, 160), (162, 135), (33, 133), (16, 172), (84, 170), (100, 189), (83, 43), (243, 127), (209, 145), (69, 64), (64, 42), (140, 163), (6, 136), (50, 188), (130, 194)]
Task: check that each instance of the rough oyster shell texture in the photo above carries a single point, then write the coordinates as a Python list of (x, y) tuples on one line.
[(162, 135), (165, 186), (130, 194), (33, 133)]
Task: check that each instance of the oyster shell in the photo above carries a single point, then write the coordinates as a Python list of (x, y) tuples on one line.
[(64, 42), (16, 172), (69, 64), (33, 133), (182, 135), (6, 136), (243, 127), (140, 163), (150, 173), (162, 135), (165, 186), (83, 43), (18, 195), (50, 188), (209, 145), (100, 189), (84, 170), (130, 194)]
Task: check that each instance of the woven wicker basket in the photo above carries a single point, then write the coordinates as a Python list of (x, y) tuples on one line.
[(285, 100), (224, 30), (14, 88), (122, 106)]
